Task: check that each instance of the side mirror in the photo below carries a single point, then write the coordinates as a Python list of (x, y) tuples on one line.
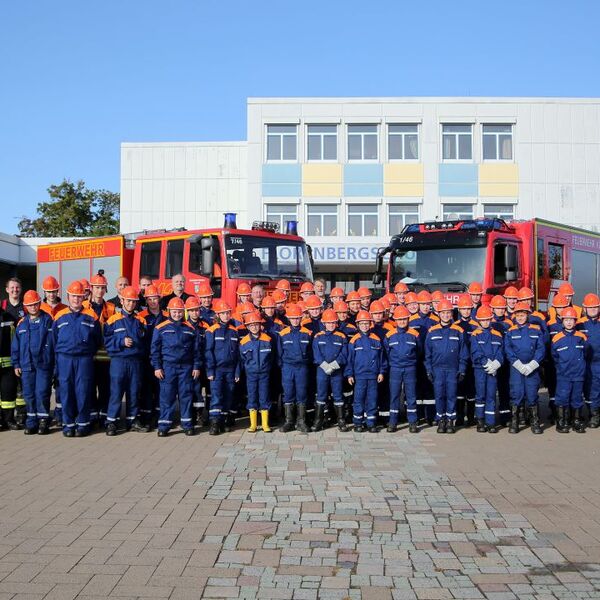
[(511, 261), (377, 279), (210, 253)]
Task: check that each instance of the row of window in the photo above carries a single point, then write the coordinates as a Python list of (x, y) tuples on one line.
[(403, 142), (363, 219)]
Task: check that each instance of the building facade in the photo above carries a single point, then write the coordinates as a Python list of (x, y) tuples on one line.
[(354, 171)]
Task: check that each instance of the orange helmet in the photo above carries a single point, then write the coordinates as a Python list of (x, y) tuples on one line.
[(85, 284), (444, 305), (76, 289), (31, 297), (313, 302), (267, 302), (245, 308), (385, 302), (401, 312), (522, 307), (129, 293), (307, 286), (340, 307), (376, 307), (424, 297), (525, 293), (293, 310), (559, 301), (283, 285), (566, 289), (98, 280), (352, 297), (475, 288), (364, 292), (329, 316), (437, 296), (175, 304), (464, 301), (591, 301), (498, 302), (278, 296), (411, 298), (569, 313), (50, 284), (391, 298), (511, 292), (243, 289), (337, 292), (302, 305), (363, 315), (484, 312), (252, 317), (192, 302), (221, 306), (400, 288), (151, 291), (204, 291)]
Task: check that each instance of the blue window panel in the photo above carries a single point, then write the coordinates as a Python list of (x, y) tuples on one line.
[(363, 180), (281, 189), (458, 180), (282, 180)]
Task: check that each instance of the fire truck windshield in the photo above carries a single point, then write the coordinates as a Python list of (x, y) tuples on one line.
[(267, 257), (438, 266)]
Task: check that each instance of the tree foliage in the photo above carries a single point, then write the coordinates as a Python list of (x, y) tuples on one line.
[(73, 210)]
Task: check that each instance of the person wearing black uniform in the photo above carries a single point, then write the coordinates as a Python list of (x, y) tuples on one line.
[(178, 284), (8, 378)]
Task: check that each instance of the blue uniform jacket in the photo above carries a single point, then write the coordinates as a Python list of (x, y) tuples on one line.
[(208, 315), (257, 354), (313, 325), (76, 333), (222, 349), (348, 329), (272, 325), (591, 329), (422, 324), (486, 344), (175, 343), (501, 324), (294, 346), (120, 326), (569, 350), (366, 357), (524, 343), (402, 347), (445, 348), (152, 321), (329, 346), (33, 343)]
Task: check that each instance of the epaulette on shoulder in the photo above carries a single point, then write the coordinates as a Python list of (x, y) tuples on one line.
[(245, 340), (456, 327), (354, 338), (552, 321), (213, 327), (374, 337), (513, 327), (412, 331), (319, 333), (535, 326), (305, 321), (240, 327), (339, 334), (141, 319), (389, 326), (413, 317), (60, 313), (285, 331), (434, 317), (477, 331), (473, 322), (559, 336), (163, 324), (90, 313), (391, 332), (581, 335), (188, 324), (143, 313), (496, 332), (582, 320), (114, 318), (264, 337), (304, 330), (435, 327)]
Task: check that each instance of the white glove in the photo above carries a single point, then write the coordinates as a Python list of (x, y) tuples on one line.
[(533, 365), (526, 370), (325, 366), (518, 365), (493, 367), (334, 366), (486, 367)]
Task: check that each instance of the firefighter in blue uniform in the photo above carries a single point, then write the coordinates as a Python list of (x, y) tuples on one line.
[(349, 330), (465, 404), (257, 357), (32, 357), (554, 326), (125, 339), (205, 297), (446, 359), (569, 350), (501, 323), (403, 348), (176, 359), (366, 368), (193, 312), (525, 351), (380, 327), (590, 326), (487, 357), (330, 352), (207, 315), (77, 337)]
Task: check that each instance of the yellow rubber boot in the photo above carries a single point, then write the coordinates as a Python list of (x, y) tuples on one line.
[(253, 421), (264, 417)]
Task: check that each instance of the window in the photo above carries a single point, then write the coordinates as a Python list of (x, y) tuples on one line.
[(401, 215), (174, 257), (457, 142), (150, 259), (499, 211), (322, 142), (281, 142), (458, 212), (403, 142), (541, 258), (322, 219), (555, 261), (281, 214), (362, 219), (362, 142), (497, 142)]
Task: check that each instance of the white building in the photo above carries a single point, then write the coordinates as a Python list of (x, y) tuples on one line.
[(354, 171)]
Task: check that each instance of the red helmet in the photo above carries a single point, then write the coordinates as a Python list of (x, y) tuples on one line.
[(511, 292), (376, 307), (307, 286), (245, 308), (85, 284), (424, 297), (329, 316), (569, 313), (401, 312), (364, 292), (559, 301), (363, 315), (566, 289), (391, 298), (267, 302), (151, 291), (437, 296), (313, 302), (192, 302), (243, 289), (400, 288), (98, 280), (498, 302), (31, 297), (252, 317), (464, 301), (50, 284), (221, 306), (129, 293), (293, 310), (484, 312), (205, 291), (411, 298), (522, 307), (283, 285), (175, 304), (525, 293), (444, 305), (337, 292), (340, 307), (591, 301), (278, 296), (76, 289), (352, 297), (475, 288)]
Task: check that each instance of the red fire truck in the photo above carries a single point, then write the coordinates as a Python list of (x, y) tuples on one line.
[(223, 257), (449, 255)]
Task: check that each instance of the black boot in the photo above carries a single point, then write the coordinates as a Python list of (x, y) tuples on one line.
[(492, 429), (215, 427), (413, 428), (451, 426), (43, 426), (594, 419), (562, 420), (470, 413), (9, 419), (522, 416), (441, 428), (137, 425), (301, 419), (514, 419), (552, 412), (229, 422), (20, 416), (341, 421), (460, 411), (111, 428), (288, 424), (534, 420), (319, 417), (578, 421), (481, 426)]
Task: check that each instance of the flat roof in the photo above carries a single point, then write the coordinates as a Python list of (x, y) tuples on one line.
[(425, 99)]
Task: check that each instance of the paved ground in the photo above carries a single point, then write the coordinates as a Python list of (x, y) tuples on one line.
[(327, 515)]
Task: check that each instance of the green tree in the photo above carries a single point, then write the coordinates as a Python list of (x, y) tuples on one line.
[(73, 211)]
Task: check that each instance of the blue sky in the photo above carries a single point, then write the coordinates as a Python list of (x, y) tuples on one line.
[(78, 78)]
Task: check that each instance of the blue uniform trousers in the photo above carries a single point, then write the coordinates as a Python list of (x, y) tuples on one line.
[(365, 401), (258, 388), (524, 388), (444, 388), (221, 391), (426, 397), (333, 382), (149, 401), (125, 378), (294, 379), (76, 381), (592, 387), (485, 396), (502, 377), (57, 402), (37, 387), (569, 393), (101, 391), (407, 378), (176, 384)]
